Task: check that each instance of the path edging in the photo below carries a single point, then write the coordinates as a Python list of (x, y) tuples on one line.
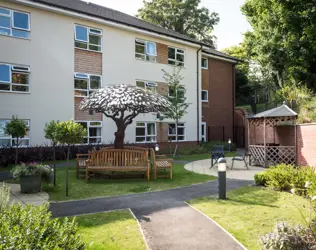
[(228, 233)]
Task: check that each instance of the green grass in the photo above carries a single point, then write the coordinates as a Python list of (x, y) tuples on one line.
[(99, 186), (251, 212), (110, 231), (199, 156)]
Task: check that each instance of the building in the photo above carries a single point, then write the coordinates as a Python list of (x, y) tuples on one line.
[(54, 53)]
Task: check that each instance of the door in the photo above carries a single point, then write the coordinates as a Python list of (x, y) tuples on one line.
[(203, 131)]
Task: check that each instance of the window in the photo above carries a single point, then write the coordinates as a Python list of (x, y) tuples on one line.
[(204, 96), (177, 92), (94, 130), (175, 131), (88, 38), (8, 141), (14, 23), (85, 84), (151, 86), (204, 63), (145, 132), (14, 78), (175, 56), (145, 50)]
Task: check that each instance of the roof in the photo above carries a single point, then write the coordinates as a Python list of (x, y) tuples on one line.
[(108, 14), (281, 111), (220, 54)]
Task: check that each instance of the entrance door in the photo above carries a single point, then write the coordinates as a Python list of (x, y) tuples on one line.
[(203, 131)]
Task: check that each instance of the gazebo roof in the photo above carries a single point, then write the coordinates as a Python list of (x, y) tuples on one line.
[(281, 111)]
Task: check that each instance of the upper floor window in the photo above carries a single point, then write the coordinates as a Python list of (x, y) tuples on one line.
[(94, 131), (145, 50), (88, 38), (14, 23), (176, 92), (8, 141), (204, 95), (14, 78), (175, 56), (151, 86), (204, 63), (176, 132), (85, 84), (145, 132)]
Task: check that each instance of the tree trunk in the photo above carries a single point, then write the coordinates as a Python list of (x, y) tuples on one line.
[(176, 149), (119, 135), (17, 151), (68, 152), (54, 156)]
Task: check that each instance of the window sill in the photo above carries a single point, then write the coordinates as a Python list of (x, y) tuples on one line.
[(205, 101), (204, 68), (142, 60), (15, 92)]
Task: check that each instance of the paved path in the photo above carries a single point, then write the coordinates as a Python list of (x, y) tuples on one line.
[(33, 199), (168, 222)]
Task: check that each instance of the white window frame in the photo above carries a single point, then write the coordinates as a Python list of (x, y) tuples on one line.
[(146, 55), (184, 92), (25, 138), (175, 56), (206, 95), (176, 128), (16, 69), (203, 128), (88, 132), (204, 58), (78, 75), (148, 84), (92, 32), (146, 132), (12, 27)]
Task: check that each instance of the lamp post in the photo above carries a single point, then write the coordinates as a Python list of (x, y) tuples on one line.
[(222, 178), (229, 145)]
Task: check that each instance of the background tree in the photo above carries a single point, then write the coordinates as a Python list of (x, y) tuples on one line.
[(182, 16), (177, 99), (69, 133), (50, 131), (17, 129), (122, 103)]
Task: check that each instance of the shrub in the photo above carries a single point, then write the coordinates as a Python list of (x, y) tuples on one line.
[(280, 177), (4, 195), (261, 179), (32, 227)]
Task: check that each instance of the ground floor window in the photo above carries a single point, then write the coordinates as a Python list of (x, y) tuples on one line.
[(146, 132), (175, 131), (94, 131), (8, 141)]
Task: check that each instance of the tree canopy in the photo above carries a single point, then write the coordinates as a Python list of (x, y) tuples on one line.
[(182, 16)]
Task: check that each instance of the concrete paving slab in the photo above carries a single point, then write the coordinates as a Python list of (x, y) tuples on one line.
[(34, 199)]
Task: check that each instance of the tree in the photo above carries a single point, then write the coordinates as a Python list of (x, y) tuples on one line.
[(50, 131), (17, 129), (182, 16), (283, 39), (177, 99), (122, 103), (69, 133)]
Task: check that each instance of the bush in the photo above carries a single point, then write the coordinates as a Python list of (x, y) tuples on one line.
[(261, 179), (287, 237), (33, 228), (280, 177), (4, 195)]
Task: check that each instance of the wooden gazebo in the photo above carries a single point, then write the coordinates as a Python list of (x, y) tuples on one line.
[(271, 149)]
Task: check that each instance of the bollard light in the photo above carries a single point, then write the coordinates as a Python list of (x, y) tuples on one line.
[(156, 147), (222, 178), (229, 145)]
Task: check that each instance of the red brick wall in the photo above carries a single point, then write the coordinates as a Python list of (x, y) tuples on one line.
[(85, 115), (306, 144), (89, 62), (162, 53)]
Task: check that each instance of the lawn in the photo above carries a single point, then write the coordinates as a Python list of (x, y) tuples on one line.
[(99, 186), (111, 231), (251, 212), (198, 157)]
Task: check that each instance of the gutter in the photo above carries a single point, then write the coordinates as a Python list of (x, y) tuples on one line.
[(198, 70)]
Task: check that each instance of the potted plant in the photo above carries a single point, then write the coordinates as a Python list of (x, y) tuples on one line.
[(31, 176)]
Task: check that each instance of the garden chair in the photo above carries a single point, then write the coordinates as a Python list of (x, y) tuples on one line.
[(242, 157), (216, 153), (160, 162)]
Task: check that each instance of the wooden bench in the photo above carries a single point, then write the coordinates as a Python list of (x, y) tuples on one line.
[(125, 160), (133, 148), (160, 162)]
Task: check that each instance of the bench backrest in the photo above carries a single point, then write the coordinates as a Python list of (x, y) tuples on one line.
[(218, 148), (118, 157), (133, 148)]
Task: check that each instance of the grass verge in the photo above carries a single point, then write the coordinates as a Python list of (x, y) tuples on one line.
[(251, 212)]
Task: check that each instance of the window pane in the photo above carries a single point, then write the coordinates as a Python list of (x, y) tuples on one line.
[(171, 53), (4, 31), (204, 63), (95, 124), (81, 45), (140, 139), (96, 40), (5, 21), (93, 132), (172, 91), (151, 58), (140, 84), (81, 33), (140, 131), (151, 49), (180, 51), (180, 138), (81, 84), (180, 57), (95, 82), (21, 33), (81, 93), (94, 47), (22, 142), (152, 89), (21, 20), (4, 11), (94, 140), (140, 124), (140, 49), (151, 138), (5, 142), (204, 96), (172, 129), (4, 87), (171, 62), (5, 73), (151, 129), (83, 124), (180, 131), (20, 88), (20, 78), (2, 126)]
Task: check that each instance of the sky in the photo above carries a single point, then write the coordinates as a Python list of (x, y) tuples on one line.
[(229, 31)]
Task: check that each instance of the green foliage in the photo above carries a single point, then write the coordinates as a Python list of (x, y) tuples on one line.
[(4, 196), (183, 16), (29, 227), (16, 128), (50, 131), (261, 179), (70, 132), (32, 168)]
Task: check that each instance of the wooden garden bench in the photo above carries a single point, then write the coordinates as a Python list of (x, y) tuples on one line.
[(160, 162), (133, 148), (124, 160)]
